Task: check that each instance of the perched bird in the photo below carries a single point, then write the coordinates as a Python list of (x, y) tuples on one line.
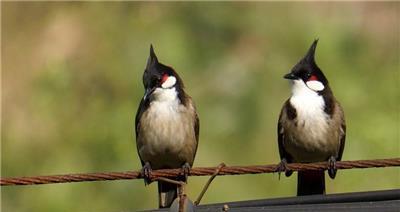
[(311, 125), (166, 125)]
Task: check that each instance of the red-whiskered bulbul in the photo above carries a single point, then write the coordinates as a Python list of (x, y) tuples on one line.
[(311, 125), (167, 126)]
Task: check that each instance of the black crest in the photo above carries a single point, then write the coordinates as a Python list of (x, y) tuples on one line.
[(310, 56), (307, 67)]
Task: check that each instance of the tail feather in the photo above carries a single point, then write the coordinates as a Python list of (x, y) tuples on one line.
[(310, 182), (167, 192)]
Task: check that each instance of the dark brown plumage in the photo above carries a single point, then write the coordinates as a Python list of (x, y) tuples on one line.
[(166, 126), (311, 126)]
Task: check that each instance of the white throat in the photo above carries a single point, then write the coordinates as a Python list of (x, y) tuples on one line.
[(300, 89), (165, 95), (308, 104)]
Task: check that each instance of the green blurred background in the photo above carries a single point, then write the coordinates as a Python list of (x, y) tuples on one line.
[(71, 85)]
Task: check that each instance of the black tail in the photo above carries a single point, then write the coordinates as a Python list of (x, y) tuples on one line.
[(310, 182), (167, 192)]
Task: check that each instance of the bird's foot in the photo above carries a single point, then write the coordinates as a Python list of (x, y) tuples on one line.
[(185, 171), (146, 173), (332, 167), (282, 167)]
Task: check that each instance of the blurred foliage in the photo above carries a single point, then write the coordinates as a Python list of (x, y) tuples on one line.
[(71, 84)]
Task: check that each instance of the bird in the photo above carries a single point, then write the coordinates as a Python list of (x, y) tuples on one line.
[(311, 126), (166, 126)]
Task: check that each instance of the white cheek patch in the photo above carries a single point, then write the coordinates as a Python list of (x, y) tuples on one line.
[(315, 85), (169, 82)]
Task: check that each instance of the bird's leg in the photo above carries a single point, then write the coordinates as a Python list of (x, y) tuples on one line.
[(146, 173), (282, 167), (186, 170), (332, 167)]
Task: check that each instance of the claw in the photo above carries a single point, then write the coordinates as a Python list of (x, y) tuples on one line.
[(186, 171), (332, 167), (146, 173), (282, 167)]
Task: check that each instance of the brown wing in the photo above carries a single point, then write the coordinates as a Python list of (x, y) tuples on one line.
[(142, 107), (196, 124), (288, 112), (197, 127), (281, 138), (342, 135)]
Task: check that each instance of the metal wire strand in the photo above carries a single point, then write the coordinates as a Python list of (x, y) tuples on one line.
[(201, 171)]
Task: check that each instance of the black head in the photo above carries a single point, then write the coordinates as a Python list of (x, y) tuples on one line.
[(306, 69), (156, 75)]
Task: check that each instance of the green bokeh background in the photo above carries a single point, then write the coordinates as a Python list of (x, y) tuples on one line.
[(71, 85)]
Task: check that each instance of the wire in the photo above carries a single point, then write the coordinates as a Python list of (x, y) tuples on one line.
[(200, 171)]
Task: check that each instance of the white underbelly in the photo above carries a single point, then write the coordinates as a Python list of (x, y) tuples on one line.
[(163, 136)]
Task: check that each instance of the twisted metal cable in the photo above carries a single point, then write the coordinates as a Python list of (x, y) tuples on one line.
[(201, 171)]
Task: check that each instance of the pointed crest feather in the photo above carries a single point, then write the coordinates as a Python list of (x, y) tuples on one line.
[(310, 56), (152, 58)]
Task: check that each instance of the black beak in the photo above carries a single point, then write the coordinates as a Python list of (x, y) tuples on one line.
[(148, 92), (290, 76)]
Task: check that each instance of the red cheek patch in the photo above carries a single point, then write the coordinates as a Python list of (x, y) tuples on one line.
[(164, 78), (313, 78)]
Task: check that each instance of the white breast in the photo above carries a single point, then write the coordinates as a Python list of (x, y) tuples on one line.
[(165, 129), (312, 120), (165, 116)]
